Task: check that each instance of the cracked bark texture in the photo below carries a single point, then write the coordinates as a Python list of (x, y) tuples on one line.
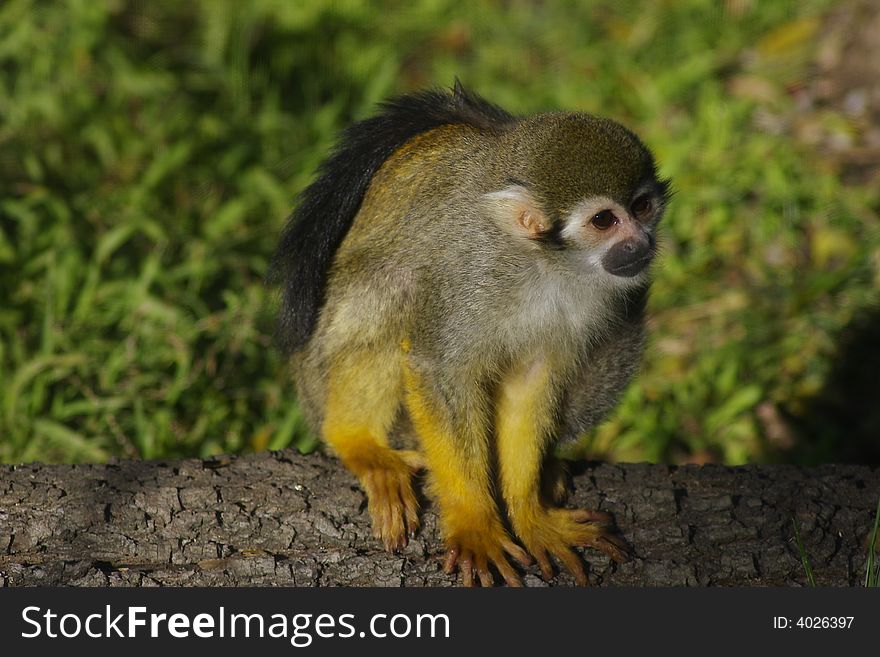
[(286, 519)]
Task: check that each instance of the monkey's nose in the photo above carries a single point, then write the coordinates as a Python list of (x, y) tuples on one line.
[(628, 257)]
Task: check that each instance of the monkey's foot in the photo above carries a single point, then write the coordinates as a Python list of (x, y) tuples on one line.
[(556, 531), (474, 550), (394, 509)]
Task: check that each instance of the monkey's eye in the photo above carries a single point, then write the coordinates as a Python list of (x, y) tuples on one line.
[(643, 206), (604, 220)]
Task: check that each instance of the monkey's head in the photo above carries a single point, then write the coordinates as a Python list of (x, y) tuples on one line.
[(583, 186)]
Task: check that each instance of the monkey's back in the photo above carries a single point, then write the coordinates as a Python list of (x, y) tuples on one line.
[(408, 236)]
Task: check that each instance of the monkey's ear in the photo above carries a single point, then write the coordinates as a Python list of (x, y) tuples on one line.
[(517, 212)]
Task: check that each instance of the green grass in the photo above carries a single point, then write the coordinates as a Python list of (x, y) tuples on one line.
[(805, 559), (149, 153), (872, 568)]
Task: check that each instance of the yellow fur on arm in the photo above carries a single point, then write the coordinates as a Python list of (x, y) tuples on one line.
[(523, 425)]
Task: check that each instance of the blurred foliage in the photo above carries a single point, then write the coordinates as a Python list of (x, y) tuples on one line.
[(149, 152)]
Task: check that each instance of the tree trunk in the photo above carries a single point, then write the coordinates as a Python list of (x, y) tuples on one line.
[(286, 519)]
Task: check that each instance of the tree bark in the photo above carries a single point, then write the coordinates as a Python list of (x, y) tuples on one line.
[(286, 519)]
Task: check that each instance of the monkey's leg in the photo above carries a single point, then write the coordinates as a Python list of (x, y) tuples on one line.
[(364, 392), (524, 425), (458, 462)]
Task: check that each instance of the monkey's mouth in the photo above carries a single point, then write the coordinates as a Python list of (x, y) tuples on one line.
[(629, 269)]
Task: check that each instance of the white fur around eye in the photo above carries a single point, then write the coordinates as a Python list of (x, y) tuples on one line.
[(584, 212)]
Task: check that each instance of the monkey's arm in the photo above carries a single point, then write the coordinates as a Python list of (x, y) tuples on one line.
[(454, 437), (525, 425)]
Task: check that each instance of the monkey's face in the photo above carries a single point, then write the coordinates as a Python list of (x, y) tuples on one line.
[(612, 237), (600, 236), (586, 190)]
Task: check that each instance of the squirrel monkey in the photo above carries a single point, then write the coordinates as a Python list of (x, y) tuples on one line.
[(462, 289)]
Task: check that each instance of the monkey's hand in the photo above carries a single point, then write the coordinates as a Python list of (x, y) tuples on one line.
[(473, 547), (550, 531)]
